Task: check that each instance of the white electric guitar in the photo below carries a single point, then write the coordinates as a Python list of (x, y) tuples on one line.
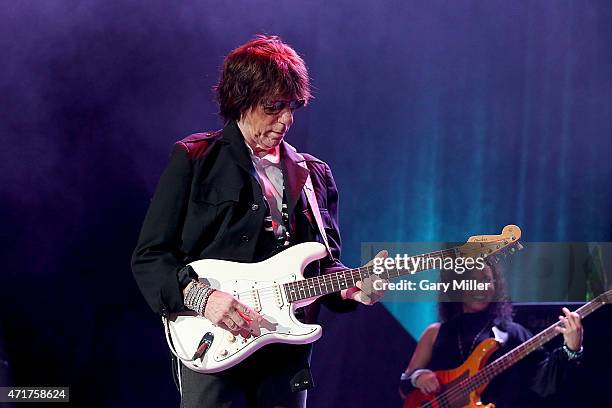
[(275, 288)]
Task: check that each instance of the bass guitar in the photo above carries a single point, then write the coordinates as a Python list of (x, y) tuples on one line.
[(462, 387)]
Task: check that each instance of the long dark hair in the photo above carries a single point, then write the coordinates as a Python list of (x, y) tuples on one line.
[(500, 307)]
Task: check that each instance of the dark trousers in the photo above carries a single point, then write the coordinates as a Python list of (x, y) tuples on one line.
[(263, 380)]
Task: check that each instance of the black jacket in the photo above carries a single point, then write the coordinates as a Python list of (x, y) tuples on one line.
[(209, 204)]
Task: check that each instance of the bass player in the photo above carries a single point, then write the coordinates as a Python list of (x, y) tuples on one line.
[(475, 316)]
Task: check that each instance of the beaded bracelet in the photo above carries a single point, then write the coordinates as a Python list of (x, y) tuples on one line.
[(206, 297), (571, 355), (197, 297)]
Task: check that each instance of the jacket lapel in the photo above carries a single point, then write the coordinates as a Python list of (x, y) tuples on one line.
[(233, 137), (295, 175)]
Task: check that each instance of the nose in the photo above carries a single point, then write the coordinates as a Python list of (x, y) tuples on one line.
[(286, 117)]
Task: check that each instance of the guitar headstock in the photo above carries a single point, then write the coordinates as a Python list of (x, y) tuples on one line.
[(491, 247)]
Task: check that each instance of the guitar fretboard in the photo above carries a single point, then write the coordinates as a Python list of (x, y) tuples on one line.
[(337, 281), (510, 358)]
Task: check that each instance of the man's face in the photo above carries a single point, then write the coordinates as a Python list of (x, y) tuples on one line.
[(265, 125)]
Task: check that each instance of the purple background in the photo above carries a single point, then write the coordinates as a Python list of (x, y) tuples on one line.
[(440, 120)]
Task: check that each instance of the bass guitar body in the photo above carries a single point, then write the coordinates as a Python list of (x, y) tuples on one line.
[(451, 378)]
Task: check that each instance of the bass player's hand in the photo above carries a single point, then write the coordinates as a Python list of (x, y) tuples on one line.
[(428, 383), (571, 329)]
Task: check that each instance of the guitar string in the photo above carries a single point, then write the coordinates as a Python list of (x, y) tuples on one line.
[(299, 288), (338, 276), (426, 256), (499, 365), (343, 275), (484, 376)]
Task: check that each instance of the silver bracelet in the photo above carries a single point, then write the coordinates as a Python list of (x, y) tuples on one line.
[(197, 297), (416, 374), (206, 297)]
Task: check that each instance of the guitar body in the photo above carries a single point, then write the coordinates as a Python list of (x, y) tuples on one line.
[(257, 285), (449, 378), (275, 288)]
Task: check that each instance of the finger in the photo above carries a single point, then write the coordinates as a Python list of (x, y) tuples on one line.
[(424, 386), (570, 323), (432, 386), (236, 318), (362, 297), (367, 286), (560, 329), (436, 385), (377, 296), (563, 321), (245, 333), (247, 313), (382, 254), (382, 285), (577, 320), (230, 325)]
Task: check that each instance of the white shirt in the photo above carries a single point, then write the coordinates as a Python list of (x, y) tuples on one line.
[(270, 177)]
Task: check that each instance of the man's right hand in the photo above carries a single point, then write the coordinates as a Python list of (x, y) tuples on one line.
[(227, 312), (428, 383)]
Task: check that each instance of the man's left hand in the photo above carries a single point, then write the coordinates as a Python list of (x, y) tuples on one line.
[(365, 291)]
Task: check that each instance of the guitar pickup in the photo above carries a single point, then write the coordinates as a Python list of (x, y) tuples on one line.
[(204, 345), (278, 295)]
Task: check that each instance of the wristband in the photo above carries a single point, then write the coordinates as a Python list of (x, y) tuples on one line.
[(197, 296), (572, 355), (416, 374)]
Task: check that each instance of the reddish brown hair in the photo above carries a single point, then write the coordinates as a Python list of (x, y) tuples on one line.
[(262, 68), (500, 307)]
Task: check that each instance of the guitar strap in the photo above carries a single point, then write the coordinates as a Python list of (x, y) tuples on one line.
[(314, 206)]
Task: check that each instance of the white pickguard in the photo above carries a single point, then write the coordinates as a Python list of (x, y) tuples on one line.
[(258, 285)]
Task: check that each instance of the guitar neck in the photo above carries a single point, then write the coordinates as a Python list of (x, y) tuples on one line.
[(512, 357), (348, 278)]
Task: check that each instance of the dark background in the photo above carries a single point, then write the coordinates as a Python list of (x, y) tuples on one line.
[(440, 120)]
